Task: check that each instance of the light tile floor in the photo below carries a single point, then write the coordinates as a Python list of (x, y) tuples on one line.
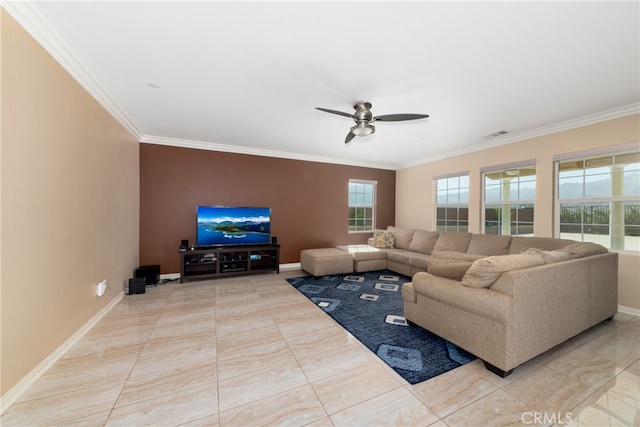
[(253, 351)]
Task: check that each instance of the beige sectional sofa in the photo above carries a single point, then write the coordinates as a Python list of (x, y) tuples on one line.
[(504, 299)]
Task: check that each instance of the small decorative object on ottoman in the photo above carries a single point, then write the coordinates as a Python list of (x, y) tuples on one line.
[(326, 261)]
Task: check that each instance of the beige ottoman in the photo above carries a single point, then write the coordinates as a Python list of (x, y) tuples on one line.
[(326, 261)]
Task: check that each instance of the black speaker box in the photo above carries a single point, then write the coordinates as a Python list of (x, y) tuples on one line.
[(151, 273), (137, 286), (184, 245), (274, 240)]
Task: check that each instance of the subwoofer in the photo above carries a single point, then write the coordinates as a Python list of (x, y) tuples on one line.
[(136, 286), (151, 274)]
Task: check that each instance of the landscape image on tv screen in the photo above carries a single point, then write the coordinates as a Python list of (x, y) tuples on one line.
[(232, 225)]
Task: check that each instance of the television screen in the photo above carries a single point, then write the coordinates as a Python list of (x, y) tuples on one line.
[(222, 225)]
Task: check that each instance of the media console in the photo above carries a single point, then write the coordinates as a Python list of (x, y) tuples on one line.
[(228, 261)]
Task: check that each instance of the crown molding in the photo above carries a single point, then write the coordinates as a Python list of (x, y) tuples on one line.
[(30, 18), (202, 145), (614, 113)]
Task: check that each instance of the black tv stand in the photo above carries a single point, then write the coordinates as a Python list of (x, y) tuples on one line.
[(221, 261)]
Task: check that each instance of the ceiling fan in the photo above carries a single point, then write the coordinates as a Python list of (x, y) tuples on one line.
[(364, 119)]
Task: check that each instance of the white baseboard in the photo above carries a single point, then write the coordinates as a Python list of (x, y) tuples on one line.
[(290, 266), (10, 397), (629, 310)]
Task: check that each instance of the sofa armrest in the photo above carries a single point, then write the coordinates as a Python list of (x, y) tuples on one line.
[(484, 302)]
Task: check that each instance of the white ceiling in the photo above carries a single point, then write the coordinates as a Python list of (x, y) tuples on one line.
[(245, 76)]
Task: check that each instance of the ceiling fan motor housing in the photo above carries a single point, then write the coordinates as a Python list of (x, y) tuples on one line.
[(363, 112)]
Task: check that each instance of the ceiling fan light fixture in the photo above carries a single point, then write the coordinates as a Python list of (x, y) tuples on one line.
[(363, 129)]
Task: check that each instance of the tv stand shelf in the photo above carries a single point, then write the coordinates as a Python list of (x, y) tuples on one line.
[(224, 261)]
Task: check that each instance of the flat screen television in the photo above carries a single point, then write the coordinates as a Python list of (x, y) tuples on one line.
[(227, 225)]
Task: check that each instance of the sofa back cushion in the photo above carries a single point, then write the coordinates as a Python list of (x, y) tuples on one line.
[(518, 243), (453, 241), (489, 244), (459, 256), (403, 237), (484, 272), (423, 241), (450, 268)]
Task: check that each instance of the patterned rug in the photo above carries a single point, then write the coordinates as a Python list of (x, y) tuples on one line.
[(369, 306)]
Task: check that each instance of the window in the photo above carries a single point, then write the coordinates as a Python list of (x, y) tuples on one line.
[(509, 197), (598, 200), (452, 203), (362, 198)]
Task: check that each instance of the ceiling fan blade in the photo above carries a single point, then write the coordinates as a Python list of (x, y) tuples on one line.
[(399, 117), (340, 113), (349, 137)]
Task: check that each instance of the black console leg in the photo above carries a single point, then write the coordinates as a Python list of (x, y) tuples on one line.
[(497, 370)]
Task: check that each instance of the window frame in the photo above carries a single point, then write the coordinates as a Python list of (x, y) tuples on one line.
[(447, 205), (508, 170), (599, 200), (373, 205)]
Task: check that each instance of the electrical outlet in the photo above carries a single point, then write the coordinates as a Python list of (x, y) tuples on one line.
[(101, 288)]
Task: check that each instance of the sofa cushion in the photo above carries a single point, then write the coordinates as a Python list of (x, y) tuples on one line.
[(400, 256), (519, 243), (550, 257), (419, 261), (485, 271), (403, 237), (489, 244), (453, 241), (369, 255), (383, 239), (460, 256), (450, 268), (423, 241), (582, 249)]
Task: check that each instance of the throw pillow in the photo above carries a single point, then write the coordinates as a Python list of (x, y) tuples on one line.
[(383, 239), (484, 272), (449, 268), (582, 249), (549, 257)]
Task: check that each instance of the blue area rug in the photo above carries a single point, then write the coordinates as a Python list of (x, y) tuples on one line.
[(369, 306)]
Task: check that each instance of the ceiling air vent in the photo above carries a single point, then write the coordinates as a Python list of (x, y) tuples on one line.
[(496, 134)]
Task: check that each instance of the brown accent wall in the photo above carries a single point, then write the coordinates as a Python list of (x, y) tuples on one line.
[(308, 200)]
